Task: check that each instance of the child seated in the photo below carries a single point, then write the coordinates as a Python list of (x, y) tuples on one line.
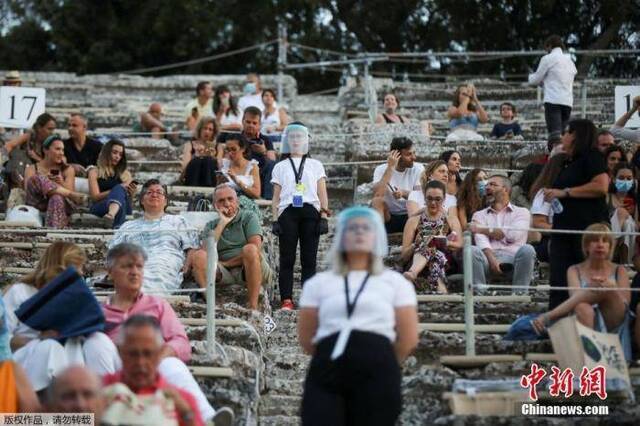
[(508, 128)]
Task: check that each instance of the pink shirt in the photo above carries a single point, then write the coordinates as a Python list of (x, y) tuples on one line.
[(158, 308), (510, 216)]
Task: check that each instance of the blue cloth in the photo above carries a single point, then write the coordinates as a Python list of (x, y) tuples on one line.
[(66, 305), (117, 195), (468, 121), (522, 329), (5, 349), (501, 129)]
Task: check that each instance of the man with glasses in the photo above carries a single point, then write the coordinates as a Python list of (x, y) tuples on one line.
[(168, 239), (500, 233)]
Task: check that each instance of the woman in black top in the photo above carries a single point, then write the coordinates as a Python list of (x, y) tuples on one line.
[(199, 162), (111, 185), (581, 187)]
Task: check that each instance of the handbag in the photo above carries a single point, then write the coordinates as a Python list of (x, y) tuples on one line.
[(66, 305), (24, 214)]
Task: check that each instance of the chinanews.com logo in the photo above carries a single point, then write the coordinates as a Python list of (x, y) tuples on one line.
[(592, 382)]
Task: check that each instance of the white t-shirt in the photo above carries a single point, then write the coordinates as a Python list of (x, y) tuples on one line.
[(374, 311), (17, 294), (205, 110), (251, 100), (283, 175), (406, 180), (246, 179), (541, 207), (418, 198), (229, 119), (271, 121)]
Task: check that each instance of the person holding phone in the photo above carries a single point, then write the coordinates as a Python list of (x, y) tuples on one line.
[(50, 185), (199, 162), (621, 202), (431, 237), (394, 181), (111, 186)]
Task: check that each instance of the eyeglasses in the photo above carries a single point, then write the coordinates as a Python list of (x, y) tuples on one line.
[(358, 227), (158, 193), (434, 199)]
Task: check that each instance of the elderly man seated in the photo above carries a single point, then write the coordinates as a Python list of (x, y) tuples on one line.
[(151, 122), (167, 239), (239, 236), (126, 265)]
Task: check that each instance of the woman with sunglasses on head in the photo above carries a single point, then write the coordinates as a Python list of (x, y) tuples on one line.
[(300, 207), (237, 170), (359, 322), (431, 238), (50, 185), (111, 185), (435, 170)]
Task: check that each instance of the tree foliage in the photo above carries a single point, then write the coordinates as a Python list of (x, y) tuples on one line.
[(87, 36)]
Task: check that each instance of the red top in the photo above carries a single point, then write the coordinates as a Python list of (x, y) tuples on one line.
[(160, 383)]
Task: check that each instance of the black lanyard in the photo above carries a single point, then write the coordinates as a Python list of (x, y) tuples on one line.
[(352, 305), (298, 173)]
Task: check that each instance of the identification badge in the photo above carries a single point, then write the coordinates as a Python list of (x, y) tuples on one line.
[(297, 195)]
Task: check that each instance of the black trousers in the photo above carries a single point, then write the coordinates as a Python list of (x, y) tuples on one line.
[(557, 117), (297, 223), (564, 251), (362, 387)]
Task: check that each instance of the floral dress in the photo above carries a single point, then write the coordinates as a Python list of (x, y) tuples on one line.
[(425, 246)]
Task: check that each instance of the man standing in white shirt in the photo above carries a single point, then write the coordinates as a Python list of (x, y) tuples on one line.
[(394, 181), (556, 73)]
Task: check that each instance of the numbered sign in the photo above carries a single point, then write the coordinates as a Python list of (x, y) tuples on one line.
[(624, 102), (20, 106)]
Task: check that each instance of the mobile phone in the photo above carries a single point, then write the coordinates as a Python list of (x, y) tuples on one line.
[(55, 172), (440, 242), (135, 182)]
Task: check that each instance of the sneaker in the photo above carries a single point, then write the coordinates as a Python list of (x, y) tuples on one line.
[(287, 305), (224, 417)]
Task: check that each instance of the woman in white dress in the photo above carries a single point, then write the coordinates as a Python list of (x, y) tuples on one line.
[(359, 322), (274, 118), (41, 356), (237, 171)]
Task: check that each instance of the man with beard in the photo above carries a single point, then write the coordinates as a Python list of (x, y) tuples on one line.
[(394, 181), (497, 250)]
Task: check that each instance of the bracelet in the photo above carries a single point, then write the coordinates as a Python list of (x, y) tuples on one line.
[(325, 211)]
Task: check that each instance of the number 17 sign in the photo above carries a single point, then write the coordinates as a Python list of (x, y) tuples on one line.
[(624, 102), (20, 106)]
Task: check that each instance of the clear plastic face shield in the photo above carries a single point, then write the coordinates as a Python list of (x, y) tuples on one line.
[(295, 140), (360, 229)]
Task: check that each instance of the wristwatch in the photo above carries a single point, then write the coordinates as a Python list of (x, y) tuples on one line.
[(566, 191)]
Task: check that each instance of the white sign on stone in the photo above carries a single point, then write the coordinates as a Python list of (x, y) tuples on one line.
[(20, 106), (624, 102)]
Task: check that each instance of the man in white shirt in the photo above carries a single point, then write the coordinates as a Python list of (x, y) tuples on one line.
[(555, 72), (200, 106), (394, 181), (618, 129), (252, 93), (500, 250)]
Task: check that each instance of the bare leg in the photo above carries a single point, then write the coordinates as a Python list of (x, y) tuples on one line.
[(199, 267), (380, 206), (114, 208), (253, 273), (585, 314)]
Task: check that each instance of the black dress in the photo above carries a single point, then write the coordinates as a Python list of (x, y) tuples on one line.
[(201, 170), (578, 213)]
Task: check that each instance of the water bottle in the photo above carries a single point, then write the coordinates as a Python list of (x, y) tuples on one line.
[(556, 206)]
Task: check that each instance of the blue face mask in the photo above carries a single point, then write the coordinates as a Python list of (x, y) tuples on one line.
[(623, 185), (482, 187), (250, 89)]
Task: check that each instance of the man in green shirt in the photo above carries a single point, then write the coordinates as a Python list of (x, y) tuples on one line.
[(239, 236)]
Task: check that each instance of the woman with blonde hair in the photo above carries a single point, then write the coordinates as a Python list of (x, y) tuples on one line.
[(359, 322), (111, 185), (39, 352), (465, 113), (604, 311), (199, 162)]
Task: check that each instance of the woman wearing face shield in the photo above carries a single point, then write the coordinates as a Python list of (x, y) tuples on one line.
[(301, 206), (359, 322)]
